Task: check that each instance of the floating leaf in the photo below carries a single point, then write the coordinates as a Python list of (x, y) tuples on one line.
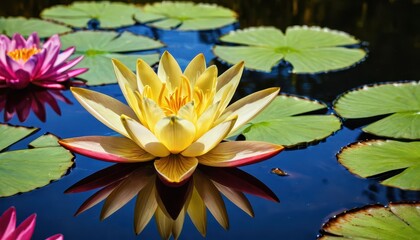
[(185, 16), (402, 100), (78, 14), (307, 49), (371, 158), (25, 170), (279, 124), (25, 27), (99, 48), (396, 221)]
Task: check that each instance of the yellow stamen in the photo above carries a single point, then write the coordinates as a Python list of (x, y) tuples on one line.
[(23, 54)]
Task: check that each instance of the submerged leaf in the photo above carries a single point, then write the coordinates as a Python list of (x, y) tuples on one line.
[(279, 124), (185, 16), (98, 48), (79, 14), (395, 221), (371, 158), (307, 49), (26, 27), (402, 100), (25, 170)]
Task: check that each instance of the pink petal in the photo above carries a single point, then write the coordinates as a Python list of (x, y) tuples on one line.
[(7, 223), (56, 237), (22, 80), (25, 230), (18, 41), (66, 66), (64, 55), (38, 108), (239, 153), (4, 42), (75, 72), (33, 41), (110, 149)]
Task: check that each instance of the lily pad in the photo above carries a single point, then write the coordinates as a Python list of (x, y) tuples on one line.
[(395, 221), (26, 27), (185, 16), (307, 49), (99, 48), (402, 100), (27, 169), (371, 158), (281, 122), (78, 14)]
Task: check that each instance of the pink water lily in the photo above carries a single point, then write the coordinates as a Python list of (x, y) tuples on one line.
[(9, 231), (176, 119), (24, 62)]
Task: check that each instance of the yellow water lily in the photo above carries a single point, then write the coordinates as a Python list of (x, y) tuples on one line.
[(178, 119)]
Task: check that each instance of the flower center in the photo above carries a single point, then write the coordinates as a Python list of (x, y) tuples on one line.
[(23, 54), (181, 95)]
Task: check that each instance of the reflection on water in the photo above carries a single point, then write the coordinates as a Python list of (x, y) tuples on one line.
[(20, 102), (169, 205)]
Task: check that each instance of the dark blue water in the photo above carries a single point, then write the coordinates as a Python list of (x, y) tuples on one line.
[(318, 186)]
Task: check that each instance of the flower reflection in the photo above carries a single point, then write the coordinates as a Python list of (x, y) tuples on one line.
[(120, 183), (20, 102)]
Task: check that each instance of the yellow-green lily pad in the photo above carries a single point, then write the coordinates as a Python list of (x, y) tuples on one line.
[(395, 221), (282, 123), (26, 27), (307, 49), (371, 158), (401, 100), (78, 14), (28, 169), (99, 47), (185, 16)]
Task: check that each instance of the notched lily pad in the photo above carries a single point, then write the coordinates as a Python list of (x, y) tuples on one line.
[(307, 49), (395, 221), (78, 14), (26, 27), (27, 169), (99, 48), (282, 123), (185, 16), (401, 100), (371, 158)]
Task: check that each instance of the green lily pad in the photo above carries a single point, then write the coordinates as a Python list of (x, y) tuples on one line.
[(98, 48), (279, 123), (27, 169), (185, 16), (78, 14), (307, 49), (395, 221), (26, 27), (402, 100), (371, 158)]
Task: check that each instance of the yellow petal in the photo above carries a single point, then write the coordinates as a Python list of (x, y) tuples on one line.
[(133, 98), (206, 120), (209, 140), (144, 137), (126, 190), (175, 133), (126, 80), (178, 224), (105, 108), (147, 77), (232, 75), (195, 68), (111, 149), (152, 112), (197, 212), (212, 198), (239, 153), (146, 205), (169, 71), (175, 168), (249, 106), (207, 80), (187, 112), (236, 197)]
